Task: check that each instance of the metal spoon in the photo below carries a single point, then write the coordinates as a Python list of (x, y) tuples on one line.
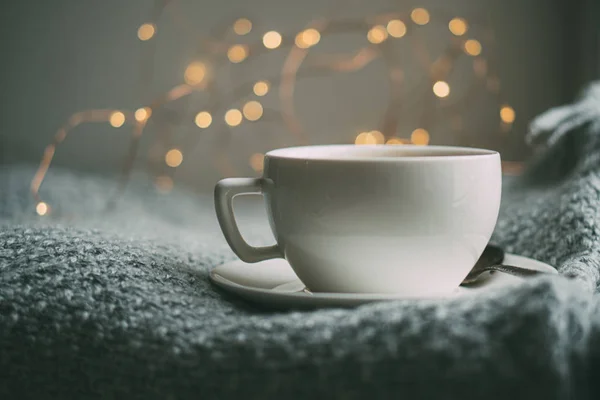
[(491, 260)]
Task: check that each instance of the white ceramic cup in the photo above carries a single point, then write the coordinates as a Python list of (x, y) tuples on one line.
[(404, 219)]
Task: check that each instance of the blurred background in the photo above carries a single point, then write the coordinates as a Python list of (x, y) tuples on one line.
[(500, 63)]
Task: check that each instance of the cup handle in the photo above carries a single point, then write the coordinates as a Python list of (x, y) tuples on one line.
[(225, 191)]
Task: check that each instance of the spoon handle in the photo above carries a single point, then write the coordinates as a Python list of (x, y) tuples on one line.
[(507, 269)]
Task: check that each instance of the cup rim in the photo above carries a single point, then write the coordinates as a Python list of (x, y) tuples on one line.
[(439, 153)]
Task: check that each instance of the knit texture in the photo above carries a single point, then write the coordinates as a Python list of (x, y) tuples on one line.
[(117, 304)]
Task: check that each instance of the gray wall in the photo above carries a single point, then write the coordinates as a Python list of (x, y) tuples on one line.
[(62, 56)]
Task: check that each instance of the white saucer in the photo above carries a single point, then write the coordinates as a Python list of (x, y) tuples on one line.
[(274, 284)]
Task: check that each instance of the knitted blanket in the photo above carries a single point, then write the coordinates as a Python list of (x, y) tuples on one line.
[(117, 304)]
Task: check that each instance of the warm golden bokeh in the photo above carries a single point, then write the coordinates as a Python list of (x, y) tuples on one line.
[(237, 53), (195, 73), (252, 110), (371, 137), (257, 162), (146, 31), (441, 89), (117, 119), (242, 26), (420, 16), (203, 119), (233, 117), (307, 38), (420, 137), (472, 47), (163, 184), (142, 114), (261, 88), (377, 34), (395, 141), (507, 114), (396, 28), (41, 208), (174, 158), (272, 39), (458, 26)]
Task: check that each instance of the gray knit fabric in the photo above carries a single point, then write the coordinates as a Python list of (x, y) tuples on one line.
[(117, 304)]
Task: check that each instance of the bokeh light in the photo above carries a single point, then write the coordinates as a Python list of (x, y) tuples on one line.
[(146, 31), (261, 88), (233, 117), (195, 73), (203, 119), (242, 26), (370, 137), (507, 114), (472, 47), (257, 162), (458, 26), (252, 110), (377, 34), (420, 16), (237, 53), (117, 119), (142, 114), (272, 39), (174, 158), (441, 89), (41, 208), (394, 141), (420, 137), (308, 38), (396, 28)]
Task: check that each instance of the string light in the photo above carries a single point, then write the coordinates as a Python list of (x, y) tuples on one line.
[(41, 208), (507, 114), (377, 34), (146, 31), (308, 38), (195, 73), (396, 28), (142, 114), (257, 162), (117, 119), (163, 184), (472, 47), (420, 16), (261, 88), (233, 117), (203, 119), (272, 39), (253, 110), (174, 158), (441, 89), (458, 26), (242, 26), (237, 53), (420, 137)]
